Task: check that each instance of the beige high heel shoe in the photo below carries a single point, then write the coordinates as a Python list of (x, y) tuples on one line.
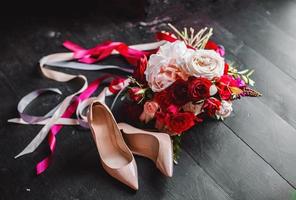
[(153, 145), (116, 158)]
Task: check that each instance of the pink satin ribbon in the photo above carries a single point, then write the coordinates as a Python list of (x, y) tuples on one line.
[(104, 50)]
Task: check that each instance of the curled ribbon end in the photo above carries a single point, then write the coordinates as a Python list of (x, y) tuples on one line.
[(11, 120), (19, 155), (43, 165), (24, 152)]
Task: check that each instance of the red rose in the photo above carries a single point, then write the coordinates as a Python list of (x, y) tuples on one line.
[(226, 67), (199, 88), (161, 118), (180, 122), (179, 92), (140, 69), (172, 109), (163, 99), (224, 83), (211, 106), (136, 93), (211, 45)]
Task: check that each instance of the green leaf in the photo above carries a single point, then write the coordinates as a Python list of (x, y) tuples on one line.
[(142, 91), (176, 147), (245, 79), (251, 82), (250, 72), (243, 72)]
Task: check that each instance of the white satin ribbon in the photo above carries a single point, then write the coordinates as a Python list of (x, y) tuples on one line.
[(60, 60)]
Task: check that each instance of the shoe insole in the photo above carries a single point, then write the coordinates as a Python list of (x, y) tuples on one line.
[(106, 139), (143, 144)]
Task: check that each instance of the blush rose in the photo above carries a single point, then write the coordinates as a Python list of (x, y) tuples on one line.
[(150, 108)]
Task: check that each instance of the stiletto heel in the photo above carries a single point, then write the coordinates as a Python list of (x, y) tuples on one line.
[(153, 145), (115, 156)]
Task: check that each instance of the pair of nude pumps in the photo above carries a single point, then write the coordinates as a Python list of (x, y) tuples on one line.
[(116, 144)]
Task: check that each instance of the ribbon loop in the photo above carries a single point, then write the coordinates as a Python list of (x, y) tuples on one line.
[(104, 50), (26, 100), (80, 100)]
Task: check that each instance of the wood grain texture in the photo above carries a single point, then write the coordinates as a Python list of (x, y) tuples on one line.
[(274, 135), (268, 136), (76, 172), (249, 156), (232, 164)]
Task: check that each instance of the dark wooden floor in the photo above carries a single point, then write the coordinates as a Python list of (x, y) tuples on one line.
[(251, 155)]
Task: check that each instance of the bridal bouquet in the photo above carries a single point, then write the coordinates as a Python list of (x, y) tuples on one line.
[(186, 81)]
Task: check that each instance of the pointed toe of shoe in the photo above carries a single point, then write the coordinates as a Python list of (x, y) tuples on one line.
[(166, 167), (168, 171), (132, 183), (127, 175), (164, 161)]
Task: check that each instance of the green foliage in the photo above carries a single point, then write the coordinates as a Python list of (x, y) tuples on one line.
[(134, 82), (244, 74), (176, 147)]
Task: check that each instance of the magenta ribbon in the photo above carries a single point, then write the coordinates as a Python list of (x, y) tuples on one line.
[(89, 56), (43, 165), (104, 50)]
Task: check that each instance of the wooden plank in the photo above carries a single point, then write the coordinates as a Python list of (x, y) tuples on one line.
[(266, 129), (271, 136), (276, 94), (281, 14), (76, 172), (232, 164), (275, 85), (279, 98), (268, 134), (235, 192), (246, 21)]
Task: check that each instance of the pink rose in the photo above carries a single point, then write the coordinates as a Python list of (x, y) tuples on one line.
[(150, 108), (164, 67)]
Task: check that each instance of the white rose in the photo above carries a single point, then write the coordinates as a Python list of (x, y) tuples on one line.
[(194, 108), (164, 67), (225, 110), (204, 63)]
